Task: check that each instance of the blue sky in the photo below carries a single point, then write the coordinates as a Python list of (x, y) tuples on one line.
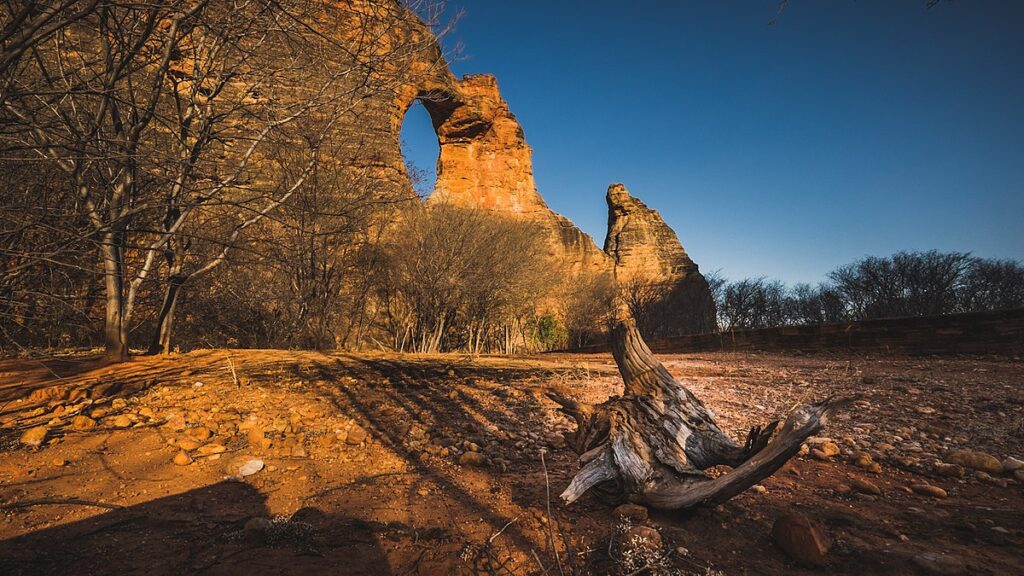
[(848, 128)]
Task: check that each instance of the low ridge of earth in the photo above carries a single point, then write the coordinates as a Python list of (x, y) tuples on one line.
[(275, 462)]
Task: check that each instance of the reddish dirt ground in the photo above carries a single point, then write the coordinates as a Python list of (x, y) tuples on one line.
[(366, 473)]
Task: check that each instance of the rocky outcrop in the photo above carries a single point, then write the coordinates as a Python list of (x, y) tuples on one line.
[(485, 163), (646, 252), (641, 245)]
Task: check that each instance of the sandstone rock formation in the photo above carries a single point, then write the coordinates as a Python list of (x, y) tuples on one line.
[(486, 164), (640, 243), (646, 252)]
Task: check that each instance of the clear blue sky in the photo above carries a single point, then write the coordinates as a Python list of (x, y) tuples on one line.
[(849, 128)]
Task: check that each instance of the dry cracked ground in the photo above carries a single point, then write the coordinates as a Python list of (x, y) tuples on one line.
[(275, 462)]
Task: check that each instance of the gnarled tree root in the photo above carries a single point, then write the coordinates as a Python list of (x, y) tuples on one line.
[(654, 443)]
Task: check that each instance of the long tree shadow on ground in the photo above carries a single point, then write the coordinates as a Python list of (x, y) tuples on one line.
[(202, 531)]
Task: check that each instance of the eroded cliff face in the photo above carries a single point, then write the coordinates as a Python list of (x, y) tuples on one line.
[(646, 251), (485, 163)]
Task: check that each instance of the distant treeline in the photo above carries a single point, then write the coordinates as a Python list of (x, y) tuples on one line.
[(904, 284)]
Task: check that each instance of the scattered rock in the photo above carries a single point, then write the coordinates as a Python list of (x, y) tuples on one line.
[(200, 434), (800, 539), (865, 487), (976, 461), (58, 462), (122, 421), (989, 479), (1011, 464), (1019, 475), (82, 423), (242, 466), (473, 459), (759, 489), (633, 512), (938, 563), (34, 437), (188, 445), (356, 435), (256, 530), (949, 470), (830, 449), (212, 449), (182, 458), (819, 455), (928, 490), (642, 537)]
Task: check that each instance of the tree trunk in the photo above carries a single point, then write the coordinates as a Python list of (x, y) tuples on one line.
[(161, 342), (654, 443), (115, 333)]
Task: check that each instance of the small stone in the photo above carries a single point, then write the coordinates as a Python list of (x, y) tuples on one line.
[(633, 512), (118, 404), (243, 466), (759, 489), (938, 563), (182, 459), (949, 470), (800, 539), (830, 449), (212, 449), (865, 487), (82, 423), (1011, 464), (642, 537), (928, 490), (256, 530), (804, 450), (472, 459), (819, 455), (201, 434), (58, 462), (122, 421), (976, 461), (989, 479), (356, 435), (34, 437), (188, 445), (327, 440), (1019, 475)]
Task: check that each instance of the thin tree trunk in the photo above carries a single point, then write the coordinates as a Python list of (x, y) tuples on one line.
[(161, 342), (654, 443), (115, 333)]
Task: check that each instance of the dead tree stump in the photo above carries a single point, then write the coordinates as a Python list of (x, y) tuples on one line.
[(654, 444)]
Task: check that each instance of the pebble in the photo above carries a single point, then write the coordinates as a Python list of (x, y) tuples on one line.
[(34, 437), (82, 423), (356, 435), (182, 459), (865, 487), (642, 537), (976, 461), (243, 466), (1011, 464), (949, 470), (800, 539), (122, 421), (472, 459), (939, 563), (633, 512), (1019, 475), (759, 489), (58, 462), (830, 449), (201, 434), (928, 490), (212, 449)]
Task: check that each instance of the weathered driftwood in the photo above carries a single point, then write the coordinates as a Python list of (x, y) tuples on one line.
[(654, 443)]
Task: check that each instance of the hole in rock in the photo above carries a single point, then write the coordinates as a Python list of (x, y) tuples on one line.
[(420, 149)]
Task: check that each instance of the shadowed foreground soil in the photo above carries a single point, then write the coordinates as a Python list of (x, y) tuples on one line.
[(380, 464)]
